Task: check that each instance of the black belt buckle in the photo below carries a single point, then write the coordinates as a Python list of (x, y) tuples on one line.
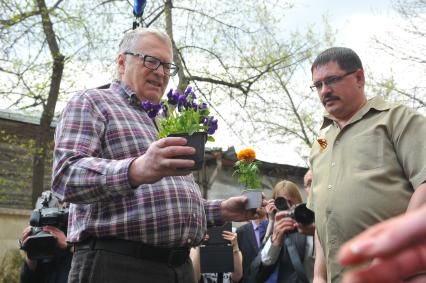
[(177, 258)]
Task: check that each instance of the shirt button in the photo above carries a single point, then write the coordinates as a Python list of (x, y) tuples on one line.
[(330, 187), (333, 164), (194, 215), (189, 241)]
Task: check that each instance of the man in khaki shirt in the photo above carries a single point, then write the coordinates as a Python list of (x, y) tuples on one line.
[(369, 160)]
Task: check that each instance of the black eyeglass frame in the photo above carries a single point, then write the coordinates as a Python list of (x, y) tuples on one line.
[(170, 67), (317, 86)]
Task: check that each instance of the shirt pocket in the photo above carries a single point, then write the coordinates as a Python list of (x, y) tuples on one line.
[(367, 152)]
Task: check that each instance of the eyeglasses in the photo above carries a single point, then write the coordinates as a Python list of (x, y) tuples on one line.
[(153, 63), (317, 86)]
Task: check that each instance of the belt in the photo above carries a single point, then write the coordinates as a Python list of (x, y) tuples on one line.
[(172, 256)]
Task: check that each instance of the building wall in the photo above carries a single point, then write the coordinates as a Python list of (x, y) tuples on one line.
[(12, 223), (17, 133)]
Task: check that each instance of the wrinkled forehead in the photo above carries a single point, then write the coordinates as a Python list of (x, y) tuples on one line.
[(155, 46)]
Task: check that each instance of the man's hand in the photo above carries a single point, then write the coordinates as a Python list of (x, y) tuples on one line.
[(306, 229), (25, 234), (271, 209), (233, 209), (158, 162), (231, 237), (58, 234), (32, 264), (282, 226), (398, 246)]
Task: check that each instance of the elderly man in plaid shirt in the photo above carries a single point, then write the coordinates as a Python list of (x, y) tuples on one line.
[(134, 215)]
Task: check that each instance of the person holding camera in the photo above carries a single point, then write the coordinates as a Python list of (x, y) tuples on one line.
[(228, 277), (48, 256), (283, 256)]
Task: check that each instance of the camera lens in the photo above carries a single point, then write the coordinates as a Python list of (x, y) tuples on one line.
[(304, 215), (281, 204)]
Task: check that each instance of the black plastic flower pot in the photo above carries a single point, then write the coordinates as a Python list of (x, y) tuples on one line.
[(254, 198), (197, 141)]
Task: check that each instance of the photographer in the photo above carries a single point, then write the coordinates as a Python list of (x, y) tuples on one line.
[(285, 251), (229, 277), (48, 256)]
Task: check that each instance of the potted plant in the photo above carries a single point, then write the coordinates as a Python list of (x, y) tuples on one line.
[(247, 169), (181, 116)]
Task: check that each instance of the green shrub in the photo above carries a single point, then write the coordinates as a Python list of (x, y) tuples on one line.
[(10, 267)]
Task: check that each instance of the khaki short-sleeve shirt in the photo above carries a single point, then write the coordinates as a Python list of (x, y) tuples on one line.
[(364, 173)]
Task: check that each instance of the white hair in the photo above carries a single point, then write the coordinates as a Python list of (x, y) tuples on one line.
[(133, 37)]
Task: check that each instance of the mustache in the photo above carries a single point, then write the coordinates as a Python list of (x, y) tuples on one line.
[(329, 96)]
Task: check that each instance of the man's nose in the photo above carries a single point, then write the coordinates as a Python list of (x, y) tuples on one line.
[(325, 88)]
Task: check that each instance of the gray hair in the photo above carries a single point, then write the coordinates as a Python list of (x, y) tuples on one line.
[(132, 38)]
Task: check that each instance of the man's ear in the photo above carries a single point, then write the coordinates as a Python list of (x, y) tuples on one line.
[(360, 78), (121, 64)]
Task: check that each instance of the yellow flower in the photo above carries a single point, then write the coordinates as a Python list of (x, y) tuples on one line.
[(247, 155)]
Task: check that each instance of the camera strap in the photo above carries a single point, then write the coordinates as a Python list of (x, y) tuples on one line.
[(295, 260)]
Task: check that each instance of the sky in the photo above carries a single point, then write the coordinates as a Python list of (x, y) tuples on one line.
[(355, 22)]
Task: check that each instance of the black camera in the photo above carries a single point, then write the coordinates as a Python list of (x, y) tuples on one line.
[(41, 244), (300, 212)]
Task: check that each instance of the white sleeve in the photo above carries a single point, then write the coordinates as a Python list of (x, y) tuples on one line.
[(270, 253)]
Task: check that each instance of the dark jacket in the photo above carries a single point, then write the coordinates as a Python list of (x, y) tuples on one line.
[(54, 270), (248, 246), (286, 272)]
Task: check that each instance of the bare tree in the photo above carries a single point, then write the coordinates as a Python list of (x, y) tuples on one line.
[(229, 51), (406, 44), (57, 65), (38, 42)]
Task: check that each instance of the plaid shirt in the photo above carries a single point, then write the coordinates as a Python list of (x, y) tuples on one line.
[(100, 132)]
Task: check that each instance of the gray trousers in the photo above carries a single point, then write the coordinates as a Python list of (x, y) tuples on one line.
[(99, 266)]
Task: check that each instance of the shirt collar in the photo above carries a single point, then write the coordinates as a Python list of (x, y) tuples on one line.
[(374, 104), (253, 222), (126, 91)]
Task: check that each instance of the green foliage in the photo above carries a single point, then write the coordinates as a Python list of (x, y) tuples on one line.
[(248, 174), (11, 266), (16, 167), (187, 121), (182, 114)]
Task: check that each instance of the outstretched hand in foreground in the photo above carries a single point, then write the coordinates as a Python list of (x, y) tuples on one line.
[(398, 247)]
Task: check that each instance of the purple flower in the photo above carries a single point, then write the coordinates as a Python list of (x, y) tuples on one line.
[(182, 102), (152, 114), (188, 90), (188, 116), (172, 97), (150, 108), (205, 121), (213, 128), (203, 108), (194, 106), (146, 105), (165, 110), (211, 123)]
